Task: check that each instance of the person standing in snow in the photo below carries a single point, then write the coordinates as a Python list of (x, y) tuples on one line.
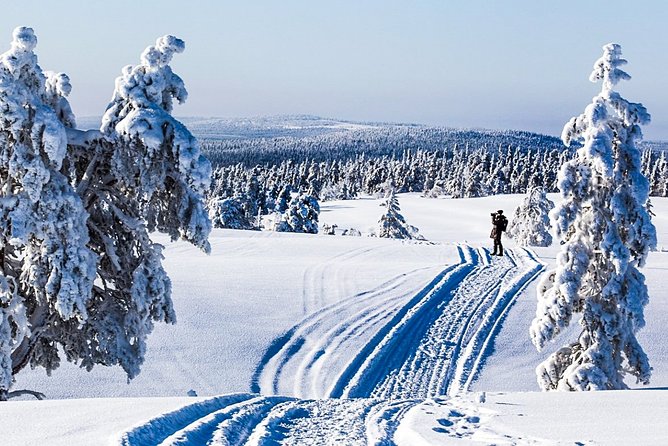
[(499, 225)]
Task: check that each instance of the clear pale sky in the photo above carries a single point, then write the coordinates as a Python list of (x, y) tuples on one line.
[(519, 64)]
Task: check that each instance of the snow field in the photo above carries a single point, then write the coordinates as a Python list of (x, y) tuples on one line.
[(257, 289), (233, 304)]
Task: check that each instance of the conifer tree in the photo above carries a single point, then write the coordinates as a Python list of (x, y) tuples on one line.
[(47, 269), (229, 213), (392, 224), (530, 225), (300, 216), (606, 234), (81, 277)]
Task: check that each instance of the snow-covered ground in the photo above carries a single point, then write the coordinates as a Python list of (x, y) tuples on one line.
[(312, 316)]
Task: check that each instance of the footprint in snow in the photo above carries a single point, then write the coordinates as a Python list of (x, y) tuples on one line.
[(445, 422)]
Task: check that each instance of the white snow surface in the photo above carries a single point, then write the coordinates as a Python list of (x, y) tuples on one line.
[(322, 302)]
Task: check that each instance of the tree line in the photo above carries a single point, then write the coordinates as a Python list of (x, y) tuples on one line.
[(456, 172)]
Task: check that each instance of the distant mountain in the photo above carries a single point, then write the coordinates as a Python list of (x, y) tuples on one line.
[(88, 122), (291, 126), (655, 146)]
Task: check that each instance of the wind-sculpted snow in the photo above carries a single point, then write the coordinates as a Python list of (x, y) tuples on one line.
[(397, 349)]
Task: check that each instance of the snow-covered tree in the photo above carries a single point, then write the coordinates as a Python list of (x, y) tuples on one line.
[(229, 213), (392, 224), (606, 234), (80, 275), (283, 200), (47, 269), (300, 216), (530, 225), (152, 177)]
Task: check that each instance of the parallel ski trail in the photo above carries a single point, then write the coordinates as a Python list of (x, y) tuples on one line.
[(313, 289), (478, 346), (298, 362), (418, 346), (443, 337)]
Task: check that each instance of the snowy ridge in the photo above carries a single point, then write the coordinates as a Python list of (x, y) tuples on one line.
[(262, 421), (228, 422), (156, 430), (256, 420)]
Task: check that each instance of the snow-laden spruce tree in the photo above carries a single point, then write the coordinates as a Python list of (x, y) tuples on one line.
[(80, 275), (300, 216), (229, 213), (146, 174), (47, 270), (392, 224), (530, 225), (606, 234)]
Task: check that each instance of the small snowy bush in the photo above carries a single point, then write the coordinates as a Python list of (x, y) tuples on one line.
[(352, 232), (329, 229)]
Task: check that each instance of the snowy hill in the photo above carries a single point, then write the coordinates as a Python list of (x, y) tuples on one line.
[(212, 130), (272, 140), (307, 316), (295, 126), (269, 140)]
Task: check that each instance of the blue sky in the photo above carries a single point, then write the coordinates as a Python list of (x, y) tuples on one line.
[(520, 64)]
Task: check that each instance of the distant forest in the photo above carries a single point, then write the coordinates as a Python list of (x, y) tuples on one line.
[(374, 142), (433, 161)]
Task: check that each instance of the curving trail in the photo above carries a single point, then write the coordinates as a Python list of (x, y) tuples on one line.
[(304, 362), (440, 346), (374, 356)]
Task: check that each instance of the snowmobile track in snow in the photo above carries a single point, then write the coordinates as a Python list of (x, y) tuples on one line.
[(433, 343), (397, 347), (255, 420)]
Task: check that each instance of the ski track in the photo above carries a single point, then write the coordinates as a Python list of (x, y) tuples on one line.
[(306, 347), (316, 276), (398, 346)]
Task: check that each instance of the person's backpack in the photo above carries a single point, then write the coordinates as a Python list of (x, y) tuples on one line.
[(503, 222)]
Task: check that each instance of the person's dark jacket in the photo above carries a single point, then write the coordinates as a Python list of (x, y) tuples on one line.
[(500, 223)]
